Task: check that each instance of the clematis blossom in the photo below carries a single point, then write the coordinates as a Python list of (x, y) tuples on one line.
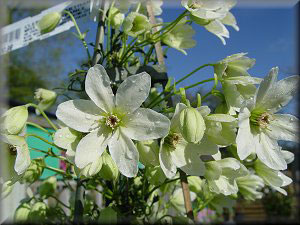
[(113, 120), (260, 128)]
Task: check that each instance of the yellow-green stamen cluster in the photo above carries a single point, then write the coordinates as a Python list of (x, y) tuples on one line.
[(260, 118), (12, 150), (172, 139)]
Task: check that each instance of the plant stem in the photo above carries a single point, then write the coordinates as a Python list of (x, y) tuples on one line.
[(42, 139), (78, 209), (43, 114), (81, 37), (191, 73), (60, 202), (39, 127), (186, 195)]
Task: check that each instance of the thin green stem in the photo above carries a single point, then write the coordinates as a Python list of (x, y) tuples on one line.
[(55, 170), (50, 154), (43, 114), (81, 37), (60, 202), (191, 73), (39, 127), (42, 139)]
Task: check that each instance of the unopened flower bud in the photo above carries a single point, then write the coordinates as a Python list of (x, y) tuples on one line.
[(34, 171), (92, 169), (49, 22), (22, 213), (192, 125), (148, 152), (46, 98), (14, 120), (109, 170), (48, 186)]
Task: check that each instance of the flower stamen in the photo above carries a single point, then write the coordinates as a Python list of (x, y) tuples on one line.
[(112, 121)]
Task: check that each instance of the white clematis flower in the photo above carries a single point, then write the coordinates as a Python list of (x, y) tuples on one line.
[(175, 152), (237, 84), (213, 15), (260, 128), (113, 120)]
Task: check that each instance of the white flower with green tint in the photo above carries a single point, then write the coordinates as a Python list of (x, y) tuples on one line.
[(113, 120), (250, 187), (221, 175), (116, 17), (213, 15), (175, 152), (136, 24), (180, 37), (237, 84), (272, 178), (260, 128)]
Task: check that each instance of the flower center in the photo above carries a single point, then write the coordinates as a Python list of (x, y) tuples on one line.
[(195, 5), (260, 119), (112, 121), (12, 150), (172, 139)]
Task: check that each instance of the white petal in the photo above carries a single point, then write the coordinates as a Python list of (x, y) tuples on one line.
[(194, 165), (244, 138), (284, 127), (178, 154), (280, 94), (97, 86), (269, 153), (133, 92), (218, 29), (230, 20), (81, 115), (23, 159), (204, 110), (146, 124), (124, 153), (266, 85), (175, 119), (91, 147), (223, 185), (221, 118), (206, 147), (165, 161), (66, 138), (288, 156), (243, 80)]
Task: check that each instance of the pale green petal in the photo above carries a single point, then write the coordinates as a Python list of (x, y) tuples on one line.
[(80, 115), (220, 118), (279, 94), (244, 139), (230, 20), (23, 159), (288, 156), (270, 176), (178, 154), (268, 151), (213, 170), (284, 127), (66, 138), (175, 122), (166, 163), (218, 29), (133, 92), (204, 110), (194, 166), (91, 147), (223, 186), (243, 80), (205, 147), (265, 86), (146, 124), (97, 86), (124, 153), (222, 134)]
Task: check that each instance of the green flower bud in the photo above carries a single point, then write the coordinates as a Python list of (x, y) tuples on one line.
[(46, 98), (38, 212), (34, 171), (136, 24), (155, 175), (212, 170), (22, 213), (108, 216), (6, 189), (49, 22), (48, 187), (109, 170), (148, 152), (14, 120), (192, 125)]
